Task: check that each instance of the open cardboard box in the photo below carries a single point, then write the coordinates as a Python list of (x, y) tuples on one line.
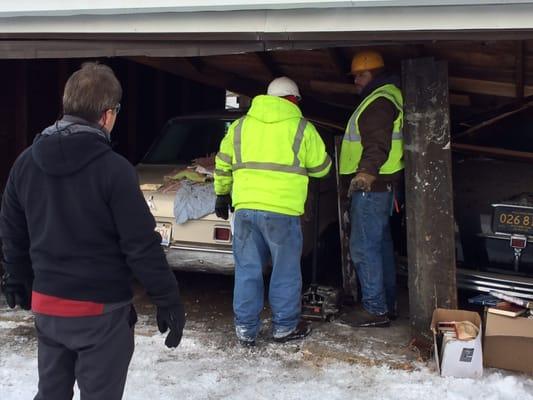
[(460, 358), (508, 343)]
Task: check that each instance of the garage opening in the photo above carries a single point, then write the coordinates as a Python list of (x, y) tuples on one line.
[(490, 84)]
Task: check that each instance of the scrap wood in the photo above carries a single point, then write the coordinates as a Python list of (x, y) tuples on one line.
[(151, 187), (206, 162)]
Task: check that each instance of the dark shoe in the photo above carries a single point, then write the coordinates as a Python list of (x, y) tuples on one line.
[(392, 316), (247, 343), (360, 318), (302, 330)]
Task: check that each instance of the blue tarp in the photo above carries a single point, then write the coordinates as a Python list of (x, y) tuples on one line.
[(193, 201)]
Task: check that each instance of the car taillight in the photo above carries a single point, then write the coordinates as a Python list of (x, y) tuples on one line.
[(518, 242), (222, 234)]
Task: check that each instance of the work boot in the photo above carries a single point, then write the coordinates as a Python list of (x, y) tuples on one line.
[(361, 318), (247, 343), (302, 330)]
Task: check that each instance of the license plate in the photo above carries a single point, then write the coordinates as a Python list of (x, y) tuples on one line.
[(165, 230), (512, 219)]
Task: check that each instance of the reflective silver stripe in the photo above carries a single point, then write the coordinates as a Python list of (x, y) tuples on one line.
[(352, 130), (354, 138), (266, 166), (224, 157), (321, 167), (237, 141), (298, 138), (397, 136), (223, 173)]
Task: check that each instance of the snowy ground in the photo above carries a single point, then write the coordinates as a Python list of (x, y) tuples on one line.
[(329, 365)]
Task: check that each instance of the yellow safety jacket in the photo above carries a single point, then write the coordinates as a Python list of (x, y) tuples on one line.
[(267, 155), (352, 149)]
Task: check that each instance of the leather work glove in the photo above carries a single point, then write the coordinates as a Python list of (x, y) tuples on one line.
[(361, 182), (222, 206), (16, 292), (171, 318)]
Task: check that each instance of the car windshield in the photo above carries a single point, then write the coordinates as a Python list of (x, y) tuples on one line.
[(184, 140)]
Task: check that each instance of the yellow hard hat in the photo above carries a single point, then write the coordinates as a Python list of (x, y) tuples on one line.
[(365, 60)]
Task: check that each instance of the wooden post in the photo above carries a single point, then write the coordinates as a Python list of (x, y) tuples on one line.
[(429, 192)]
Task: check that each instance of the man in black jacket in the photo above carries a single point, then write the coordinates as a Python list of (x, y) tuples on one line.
[(75, 230)]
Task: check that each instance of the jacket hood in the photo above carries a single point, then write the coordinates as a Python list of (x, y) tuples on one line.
[(271, 109), (381, 80), (69, 145)]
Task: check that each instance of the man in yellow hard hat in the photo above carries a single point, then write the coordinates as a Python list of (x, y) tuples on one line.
[(372, 157)]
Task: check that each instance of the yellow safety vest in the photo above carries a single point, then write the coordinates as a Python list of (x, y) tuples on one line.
[(352, 149), (266, 157)]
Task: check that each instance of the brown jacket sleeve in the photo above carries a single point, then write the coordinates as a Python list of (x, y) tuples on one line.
[(375, 126)]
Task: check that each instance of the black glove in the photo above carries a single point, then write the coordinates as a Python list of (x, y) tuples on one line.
[(16, 291), (222, 205), (173, 318)]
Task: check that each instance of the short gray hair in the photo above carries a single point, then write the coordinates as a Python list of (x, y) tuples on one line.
[(90, 91)]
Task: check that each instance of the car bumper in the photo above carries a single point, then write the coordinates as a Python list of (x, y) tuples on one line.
[(481, 281), (201, 259)]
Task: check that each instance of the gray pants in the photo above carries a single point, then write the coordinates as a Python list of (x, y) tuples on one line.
[(95, 351)]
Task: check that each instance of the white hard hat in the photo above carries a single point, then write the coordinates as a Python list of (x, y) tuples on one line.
[(283, 87)]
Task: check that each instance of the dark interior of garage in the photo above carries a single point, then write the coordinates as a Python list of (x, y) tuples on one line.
[(489, 100)]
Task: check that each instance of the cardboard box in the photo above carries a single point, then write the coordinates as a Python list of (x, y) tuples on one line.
[(459, 358), (508, 343)]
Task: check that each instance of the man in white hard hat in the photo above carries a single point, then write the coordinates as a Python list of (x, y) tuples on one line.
[(262, 170)]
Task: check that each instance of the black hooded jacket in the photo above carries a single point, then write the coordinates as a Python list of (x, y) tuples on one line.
[(73, 212)]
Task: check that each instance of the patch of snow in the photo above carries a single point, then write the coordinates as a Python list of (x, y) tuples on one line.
[(201, 369)]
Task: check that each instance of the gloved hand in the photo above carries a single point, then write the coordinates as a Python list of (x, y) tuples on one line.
[(16, 292), (222, 205), (361, 182), (173, 318)]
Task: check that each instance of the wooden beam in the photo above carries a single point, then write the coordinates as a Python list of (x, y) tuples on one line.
[(208, 75), (493, 152), (491, 88), (462, 100), (313, 105), (332, 87), (341, 64), (429, 192), (474, 129), (273, 69)]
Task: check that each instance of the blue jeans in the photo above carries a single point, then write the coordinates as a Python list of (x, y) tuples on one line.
[(258, 236), (371, 250)]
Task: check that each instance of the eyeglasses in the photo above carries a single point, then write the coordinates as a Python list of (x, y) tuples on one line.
[(117, 108)]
